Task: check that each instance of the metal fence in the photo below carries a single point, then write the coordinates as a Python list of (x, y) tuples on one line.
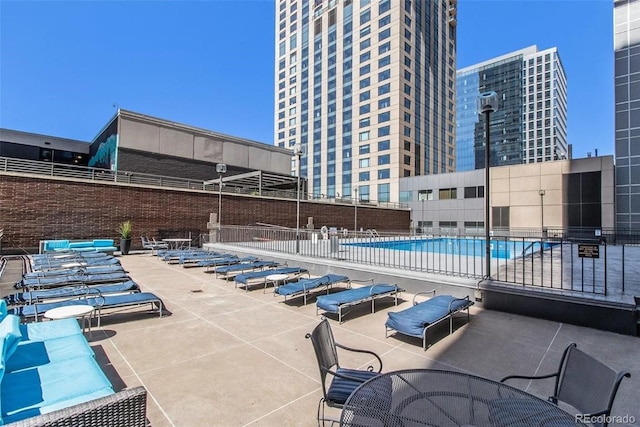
[(562, 262), (35, 167)]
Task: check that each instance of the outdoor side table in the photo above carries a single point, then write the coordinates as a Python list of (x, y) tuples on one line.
[(82, 312), (176, 243), (277, 279), (420, 397)]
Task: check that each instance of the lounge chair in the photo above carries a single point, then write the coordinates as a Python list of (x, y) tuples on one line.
[(336, 303), (56, 281), (73, 261), (153, 245), (69, 271), (100, 302), (31, 297), (305, 286), (231, 270), (260, 277), (213, 263), (416, 320), (193, 260)]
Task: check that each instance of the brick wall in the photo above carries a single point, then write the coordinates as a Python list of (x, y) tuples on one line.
[(38, 208)]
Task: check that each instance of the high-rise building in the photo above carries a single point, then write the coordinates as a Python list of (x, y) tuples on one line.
[(367, 89), (531, 123), (627, 96)]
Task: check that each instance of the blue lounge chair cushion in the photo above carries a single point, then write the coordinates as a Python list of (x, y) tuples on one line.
[(303, 285), (49, 330), (80, 245), (244, 278), (77, 278), (105, 301), (52, 245), (413, 320), (331, 303), (10, 336), (3, 309), (32, 391), (245, 266), (127, 286), (29, 354), (103, 243), (341, 388)]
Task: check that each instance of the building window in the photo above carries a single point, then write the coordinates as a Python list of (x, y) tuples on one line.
[(384, 34), (383, 62), (383, 192), (384, 21), (364, 122), (364, 149), (385, 88), (384, 75), (363, 176), (384, 117), (500, 216), (384, 159), (384, 48), (363, 136), (384, 131), (365, 69), (364, 163), (425, 195), (448, 193), (384, 174), (384, 145)]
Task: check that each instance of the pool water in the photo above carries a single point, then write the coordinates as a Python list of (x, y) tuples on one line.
[(504, 249)]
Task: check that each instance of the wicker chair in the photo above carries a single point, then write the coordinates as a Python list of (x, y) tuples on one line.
[(343, 381), (584, 383), (127, 408)]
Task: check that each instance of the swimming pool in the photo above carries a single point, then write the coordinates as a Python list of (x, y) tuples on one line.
[(503, 249)]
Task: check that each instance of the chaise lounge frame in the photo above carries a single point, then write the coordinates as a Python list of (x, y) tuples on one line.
[(371, 297), (432, 322)]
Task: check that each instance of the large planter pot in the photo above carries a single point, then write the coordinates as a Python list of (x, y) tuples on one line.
[(125, 245)]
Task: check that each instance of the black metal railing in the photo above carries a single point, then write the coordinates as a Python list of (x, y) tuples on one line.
[(559, 262)]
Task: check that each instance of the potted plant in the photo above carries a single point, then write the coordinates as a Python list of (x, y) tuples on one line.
[(124, 229)]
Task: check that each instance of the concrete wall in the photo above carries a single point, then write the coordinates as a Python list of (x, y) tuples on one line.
[(37, 208), (147, 134), (517, 187)]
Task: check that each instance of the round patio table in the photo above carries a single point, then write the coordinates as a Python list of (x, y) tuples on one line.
[(82, 312), (425, 397)]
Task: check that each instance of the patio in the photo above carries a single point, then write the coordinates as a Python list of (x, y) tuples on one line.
[(229, 357)]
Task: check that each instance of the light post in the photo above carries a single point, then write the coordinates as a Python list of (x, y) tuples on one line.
[(355, 212), (221, 168), (297, 151), (542, 193), (487, 104)]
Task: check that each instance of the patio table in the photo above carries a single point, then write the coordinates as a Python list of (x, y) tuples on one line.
[(419, 397), (177, 243)]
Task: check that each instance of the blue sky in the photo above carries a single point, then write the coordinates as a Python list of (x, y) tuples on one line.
[(63, 65)]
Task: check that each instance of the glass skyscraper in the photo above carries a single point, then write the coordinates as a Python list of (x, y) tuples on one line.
[(531, 123), (627, 122), (367, 89)]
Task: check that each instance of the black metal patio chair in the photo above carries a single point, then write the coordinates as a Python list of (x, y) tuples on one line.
[(337, 389), (585, 383)]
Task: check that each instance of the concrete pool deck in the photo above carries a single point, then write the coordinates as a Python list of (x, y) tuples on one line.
[(233, 358)]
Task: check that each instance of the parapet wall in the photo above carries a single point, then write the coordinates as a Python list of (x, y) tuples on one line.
[(34, 208)]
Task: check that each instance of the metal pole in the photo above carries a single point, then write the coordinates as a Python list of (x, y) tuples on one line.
[(298, 207), (487, 193), (220, 207), (355, 213)]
